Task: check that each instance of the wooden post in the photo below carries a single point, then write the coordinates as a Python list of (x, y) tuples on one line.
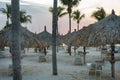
[(69, 50), (84, 53), (112, 61)]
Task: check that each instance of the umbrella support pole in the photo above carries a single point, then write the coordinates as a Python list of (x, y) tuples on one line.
[(84, 53), (75, 49), (35, 49), (112, 61), (69, 50), (112, 68)]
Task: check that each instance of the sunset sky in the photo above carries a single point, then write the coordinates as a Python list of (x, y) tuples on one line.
[(41, 16)]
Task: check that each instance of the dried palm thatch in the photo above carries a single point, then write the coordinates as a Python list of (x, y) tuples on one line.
[(27, 38), (46, 36), (44, 43), (106, 31), (82, 38), (65, 38), (69, 38), (78, 38), (58, 39)]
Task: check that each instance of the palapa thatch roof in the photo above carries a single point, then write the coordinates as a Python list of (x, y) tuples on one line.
[(82, 38), (27, 38), (69, 38), (46, 36), (106, 31), (58, 38)]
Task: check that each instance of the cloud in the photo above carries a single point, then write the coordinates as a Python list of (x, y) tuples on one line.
[(34, 9), (5, 1), (38, 13), (41, 16)]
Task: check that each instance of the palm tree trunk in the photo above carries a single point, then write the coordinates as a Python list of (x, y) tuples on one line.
[(54, 25), (77, 26), (70, 22), (15, 45), (69, 47), (57, 34), (57, 27), (7, 22)]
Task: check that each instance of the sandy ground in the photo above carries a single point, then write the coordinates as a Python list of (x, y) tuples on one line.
[(35, 70)]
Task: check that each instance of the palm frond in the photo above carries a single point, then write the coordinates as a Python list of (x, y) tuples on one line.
[(62, 14), (99, 13)]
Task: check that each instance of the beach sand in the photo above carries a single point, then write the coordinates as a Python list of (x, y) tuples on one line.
[(32, 69)]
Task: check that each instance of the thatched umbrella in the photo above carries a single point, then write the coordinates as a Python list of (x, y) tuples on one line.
[(46, 36), (65, 39), (79, 39), (27, 38), (82, 38), (106, 31), (69, 38), (72, 39)]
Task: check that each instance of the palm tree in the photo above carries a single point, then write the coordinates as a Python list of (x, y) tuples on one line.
[(15, 40), (78, 16), (60, 13), (99, 13), (7, 11), (54, 26), (24, 18), (70, 4)]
